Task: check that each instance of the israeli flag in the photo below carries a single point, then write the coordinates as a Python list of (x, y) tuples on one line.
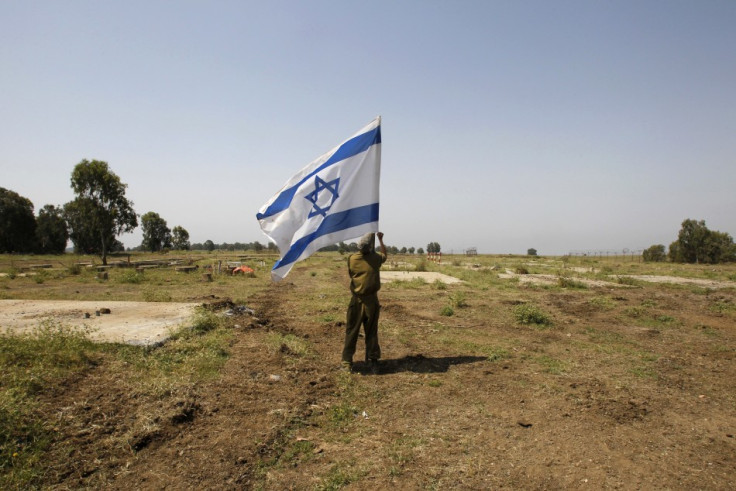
[(333, 199)]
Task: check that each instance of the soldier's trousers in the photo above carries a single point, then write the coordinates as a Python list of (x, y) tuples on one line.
[(363, 310)]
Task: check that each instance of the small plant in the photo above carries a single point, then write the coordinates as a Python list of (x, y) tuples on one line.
[(529, 314), (205, 321), (130, 276), (457, 300), (75, 269), (602, 303), (155, 295), (626, 280), (447, 311), (521, 270), (421, 265), (439, 285), (564, 282)]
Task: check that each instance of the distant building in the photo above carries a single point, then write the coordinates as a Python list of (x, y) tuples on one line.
[(471, 251)]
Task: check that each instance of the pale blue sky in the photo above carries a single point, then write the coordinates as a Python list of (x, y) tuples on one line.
[(562, 125)]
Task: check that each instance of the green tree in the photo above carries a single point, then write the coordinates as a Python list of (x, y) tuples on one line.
[(156, 234), (655, 253), (697, 244), (531, 252), (100, 212), (209, 245), (51, 230), (180, 238), (433, 247), (17, 222)]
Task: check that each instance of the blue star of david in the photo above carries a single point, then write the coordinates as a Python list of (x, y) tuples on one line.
[(320, 185)]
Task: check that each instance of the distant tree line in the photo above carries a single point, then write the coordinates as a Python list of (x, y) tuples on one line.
[(99, 213), (93, 220), (695, 244), (256, 246)]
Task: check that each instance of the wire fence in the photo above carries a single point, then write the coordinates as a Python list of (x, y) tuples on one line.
[(633, 255)]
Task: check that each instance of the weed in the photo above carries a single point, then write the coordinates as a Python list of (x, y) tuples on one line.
[(602, 303), (635, 312), (435, 383), (289, 343), (447, 311), (722, 307), (457, 300), (130, 276), (205, 321), (626, 280), (707, 330), (156, 295), (564, 282), (339, 476), (529, 314), (552, 365), (439, 285), (342, 413), (497, 354)]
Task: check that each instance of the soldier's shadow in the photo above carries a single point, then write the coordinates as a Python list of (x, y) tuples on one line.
[(421, 364)]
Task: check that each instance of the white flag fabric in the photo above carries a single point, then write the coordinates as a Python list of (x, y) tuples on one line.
[(334, 198)]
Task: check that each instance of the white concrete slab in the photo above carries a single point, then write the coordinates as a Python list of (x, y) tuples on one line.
[(128, 322)]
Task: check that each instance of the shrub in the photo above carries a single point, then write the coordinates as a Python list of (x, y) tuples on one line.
[(530, 314), (447, 311), (205, 321), (655, 253)]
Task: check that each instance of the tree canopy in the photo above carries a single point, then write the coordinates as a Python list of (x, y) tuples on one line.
[(17, 222), (180, 238), (156, 234), (51, 230), (697, 244), (100, 212), (655, 253)]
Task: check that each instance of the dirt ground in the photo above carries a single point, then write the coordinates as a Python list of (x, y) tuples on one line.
[(602, 400)]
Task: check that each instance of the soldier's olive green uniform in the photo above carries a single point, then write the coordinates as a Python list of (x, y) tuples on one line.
[(365, 281)]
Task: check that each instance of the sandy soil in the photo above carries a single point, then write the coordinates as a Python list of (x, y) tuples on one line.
[(429, 277), (684, 281), (551, 279), (128, 322)]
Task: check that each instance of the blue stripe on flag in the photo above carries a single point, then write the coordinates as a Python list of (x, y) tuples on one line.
[(350, 148), (332, 223)]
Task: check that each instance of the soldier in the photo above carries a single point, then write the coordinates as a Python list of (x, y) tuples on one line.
[(365, 281)]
